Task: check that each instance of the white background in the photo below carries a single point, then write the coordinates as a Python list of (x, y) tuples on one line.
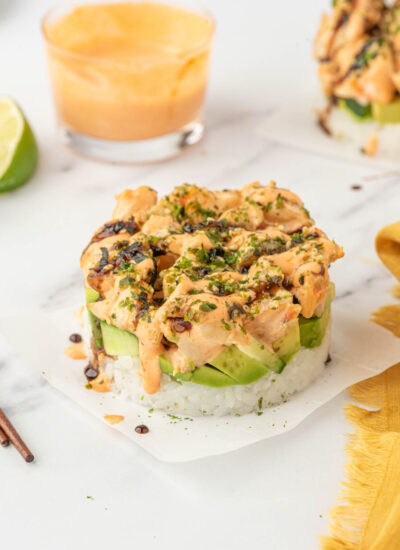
[(273, 495)]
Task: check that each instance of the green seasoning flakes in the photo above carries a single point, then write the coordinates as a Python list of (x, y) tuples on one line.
[(221, 288), (127, 303), (280, 203), (183, 263), (207, 306), (201, 254), (126, 281), (206, 212), (177, 212)]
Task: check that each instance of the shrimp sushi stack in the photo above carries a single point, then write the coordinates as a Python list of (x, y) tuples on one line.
[(358, 49), (209, 302)]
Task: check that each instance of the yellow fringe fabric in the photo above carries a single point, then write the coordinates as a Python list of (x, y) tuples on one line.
[(382, 395), (368, 513), (396, 291), (388, 317), (387, 245), (367, 516)]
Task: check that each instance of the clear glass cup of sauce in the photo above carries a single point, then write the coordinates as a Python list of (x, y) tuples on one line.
[(129, 78)]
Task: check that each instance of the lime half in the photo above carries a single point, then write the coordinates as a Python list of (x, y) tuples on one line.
[(18, 148)]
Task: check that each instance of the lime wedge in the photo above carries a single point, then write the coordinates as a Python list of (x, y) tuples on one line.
[(18, 148)]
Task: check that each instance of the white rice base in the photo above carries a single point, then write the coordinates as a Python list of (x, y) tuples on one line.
[(191, 399), (355, 134)]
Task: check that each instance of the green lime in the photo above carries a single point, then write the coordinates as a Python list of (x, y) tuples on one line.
[(18, 148)]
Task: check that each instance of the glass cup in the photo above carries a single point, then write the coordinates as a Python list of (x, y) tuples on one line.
[(129, 78)]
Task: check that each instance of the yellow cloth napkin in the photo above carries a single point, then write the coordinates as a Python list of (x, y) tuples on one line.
[(367, 516), (388, 247)]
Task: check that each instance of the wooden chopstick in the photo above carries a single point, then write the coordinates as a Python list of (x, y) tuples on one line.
[(4, 441), (12, 435)]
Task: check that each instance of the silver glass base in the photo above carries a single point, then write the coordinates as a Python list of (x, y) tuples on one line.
[(130, 152)]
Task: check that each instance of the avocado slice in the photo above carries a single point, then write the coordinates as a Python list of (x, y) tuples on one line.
[(117, 341), (388, 113), (239, 366), (168, 368), (205, 375), (356, 110), (312, 331), (287, 346), (284, 348), (262, 355), (92, 296), (96, 330)]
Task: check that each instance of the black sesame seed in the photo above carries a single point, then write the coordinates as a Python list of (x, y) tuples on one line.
[(90, 372), (204, 271), (142, 429)]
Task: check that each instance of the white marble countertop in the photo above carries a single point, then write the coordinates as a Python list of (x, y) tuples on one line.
[(275, 494)]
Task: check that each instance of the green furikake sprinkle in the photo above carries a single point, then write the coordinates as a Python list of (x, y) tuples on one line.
[(207, 306), (280, 203)]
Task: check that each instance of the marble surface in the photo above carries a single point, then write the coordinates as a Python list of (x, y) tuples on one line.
[(276, 493)]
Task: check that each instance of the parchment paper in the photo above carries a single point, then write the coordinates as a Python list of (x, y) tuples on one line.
[(294, 124), (360, 349)]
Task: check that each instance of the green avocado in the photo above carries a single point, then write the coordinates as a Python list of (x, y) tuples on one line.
[(239, 366), (260, 353), (287, 346), (312, 331), (388, 113), (92, 296), (168, 368), (356, 110), (119, 342), (205, 375), (96, 330), (284, 348)]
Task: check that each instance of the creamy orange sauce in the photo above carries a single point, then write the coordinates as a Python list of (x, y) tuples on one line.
[(76, 351), (113, 418), (101, 384), (200, 272), (128, 71), (134, 201), (372, 145)]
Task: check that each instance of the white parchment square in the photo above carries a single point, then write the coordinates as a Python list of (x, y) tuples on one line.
[(360, 349), (294, 123)]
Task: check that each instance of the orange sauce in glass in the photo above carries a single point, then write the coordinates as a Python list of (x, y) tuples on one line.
[(128, 71)]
